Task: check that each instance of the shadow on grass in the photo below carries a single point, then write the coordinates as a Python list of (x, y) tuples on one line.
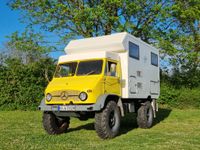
[(129, 122), (88, 126), (161, 115)]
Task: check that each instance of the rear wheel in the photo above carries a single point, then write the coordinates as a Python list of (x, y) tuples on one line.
[(107, 122), (145, 115), (53, 124)]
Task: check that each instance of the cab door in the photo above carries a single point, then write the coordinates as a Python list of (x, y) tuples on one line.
[(112, 78)]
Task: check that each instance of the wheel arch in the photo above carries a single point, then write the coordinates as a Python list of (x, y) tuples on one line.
[(104, 99)]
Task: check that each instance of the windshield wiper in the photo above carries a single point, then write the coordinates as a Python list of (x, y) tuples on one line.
[(91, 72)]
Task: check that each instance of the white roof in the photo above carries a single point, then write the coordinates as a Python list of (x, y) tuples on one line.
[(112, 42), (116, 42)]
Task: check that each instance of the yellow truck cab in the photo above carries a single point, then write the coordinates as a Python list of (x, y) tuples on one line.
[(103, 78)]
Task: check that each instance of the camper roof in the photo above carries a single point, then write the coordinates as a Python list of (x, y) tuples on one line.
[(112, 42), (117, 42)]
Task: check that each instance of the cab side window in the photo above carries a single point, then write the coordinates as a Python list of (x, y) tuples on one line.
[(111, 69)]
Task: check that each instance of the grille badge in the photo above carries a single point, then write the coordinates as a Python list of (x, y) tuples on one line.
[(64, 95)]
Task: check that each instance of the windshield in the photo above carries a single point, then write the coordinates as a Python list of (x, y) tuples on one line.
[(66, 70), (89, 67)]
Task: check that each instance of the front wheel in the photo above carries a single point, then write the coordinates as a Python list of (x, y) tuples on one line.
[(107, 122), (145, 115), (53, 124)]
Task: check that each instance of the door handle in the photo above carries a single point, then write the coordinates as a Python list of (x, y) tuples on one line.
[(119, 81)]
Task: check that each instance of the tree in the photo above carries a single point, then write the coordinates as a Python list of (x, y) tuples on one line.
[(171, 25), (188, 15), (87, 18), (25, 70), (26, 46), (187, 57)]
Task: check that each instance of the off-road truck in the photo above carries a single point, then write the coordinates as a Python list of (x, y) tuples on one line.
[(104, 78)]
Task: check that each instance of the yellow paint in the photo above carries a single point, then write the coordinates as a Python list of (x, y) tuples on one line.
[(93, 85), (112, 83)]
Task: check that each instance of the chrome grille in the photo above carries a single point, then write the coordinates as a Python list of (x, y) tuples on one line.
[(65, 95)]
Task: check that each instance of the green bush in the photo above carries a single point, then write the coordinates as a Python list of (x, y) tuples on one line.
[(168, 95), (179, 98), (189, 98), (22, 85)]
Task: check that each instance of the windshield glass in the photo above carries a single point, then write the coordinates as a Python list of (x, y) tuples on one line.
[(89, 67), (66, 70)]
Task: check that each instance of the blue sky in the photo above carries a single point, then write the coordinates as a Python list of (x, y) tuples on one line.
[(9, 23)]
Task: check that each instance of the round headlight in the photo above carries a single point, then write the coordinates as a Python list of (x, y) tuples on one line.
[(48, 97), (83, 96)]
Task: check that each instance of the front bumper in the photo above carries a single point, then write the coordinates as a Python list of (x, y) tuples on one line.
[(73, 108)]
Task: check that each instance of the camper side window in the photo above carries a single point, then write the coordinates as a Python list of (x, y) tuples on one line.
[(154, 59), (134, 50)]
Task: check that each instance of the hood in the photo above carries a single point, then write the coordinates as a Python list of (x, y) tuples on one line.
[(80, 83)]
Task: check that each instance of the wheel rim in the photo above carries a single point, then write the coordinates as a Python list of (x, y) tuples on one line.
[(149, 115), (61, 124), (112, 119)]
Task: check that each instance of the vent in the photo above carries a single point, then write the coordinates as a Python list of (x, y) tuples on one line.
[(139, 85), (139, 73)]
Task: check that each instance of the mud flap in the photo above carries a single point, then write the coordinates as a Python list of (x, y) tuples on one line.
[(155, 107)]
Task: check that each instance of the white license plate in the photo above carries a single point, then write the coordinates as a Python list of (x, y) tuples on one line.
[(66, 108)]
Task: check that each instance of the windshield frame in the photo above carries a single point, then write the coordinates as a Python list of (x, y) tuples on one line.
[(90, 73), (63, 63), (77, 66)]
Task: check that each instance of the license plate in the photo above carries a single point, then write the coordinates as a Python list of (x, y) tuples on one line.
[(66, 108)]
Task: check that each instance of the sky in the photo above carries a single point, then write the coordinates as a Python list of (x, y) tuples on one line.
[(9, 23)]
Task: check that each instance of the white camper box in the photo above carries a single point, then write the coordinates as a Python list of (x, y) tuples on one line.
[(139, 61)]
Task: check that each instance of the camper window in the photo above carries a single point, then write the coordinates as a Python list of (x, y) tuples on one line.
[(133, 50), (154, 59)]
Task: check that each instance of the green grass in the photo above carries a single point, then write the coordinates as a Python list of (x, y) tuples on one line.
[(173, 129)]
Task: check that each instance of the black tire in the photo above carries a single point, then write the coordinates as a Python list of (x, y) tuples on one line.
[(107, 122), (54, 125), (145, 115)]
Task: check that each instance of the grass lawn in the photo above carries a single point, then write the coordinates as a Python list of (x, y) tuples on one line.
[(172, 130)]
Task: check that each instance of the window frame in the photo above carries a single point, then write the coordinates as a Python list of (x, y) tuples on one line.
[(152, 62), (77, 69), (138, 48), (106, 68), (65, 63)]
